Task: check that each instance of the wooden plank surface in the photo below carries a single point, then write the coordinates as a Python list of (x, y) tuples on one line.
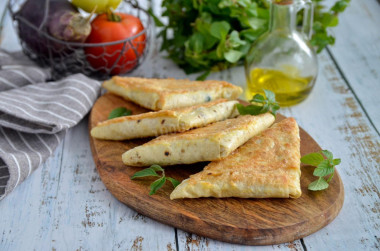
[(65, 206), (336, 120), (357, 53), (96, 219), (26, 214), (31, 215)]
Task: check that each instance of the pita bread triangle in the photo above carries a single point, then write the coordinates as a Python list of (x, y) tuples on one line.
[(266, 166)]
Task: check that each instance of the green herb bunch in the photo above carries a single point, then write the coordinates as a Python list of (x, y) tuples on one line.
[(214, 35)]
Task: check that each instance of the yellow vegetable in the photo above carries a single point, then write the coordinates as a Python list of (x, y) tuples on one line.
[(101, 5)]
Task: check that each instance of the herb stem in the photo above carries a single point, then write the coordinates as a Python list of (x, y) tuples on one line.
[(331, 176)]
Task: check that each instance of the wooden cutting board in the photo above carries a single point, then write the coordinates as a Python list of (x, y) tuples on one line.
[(242, 221)]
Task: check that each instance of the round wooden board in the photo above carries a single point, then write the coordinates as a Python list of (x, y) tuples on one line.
[(242, 221)]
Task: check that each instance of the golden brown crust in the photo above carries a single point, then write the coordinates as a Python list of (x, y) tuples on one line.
[(165, 121), (158, 94), (208, 143), (170, 85), (268, 165), (159, 114), (215, 130)]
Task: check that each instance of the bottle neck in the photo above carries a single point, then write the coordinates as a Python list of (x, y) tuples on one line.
[(282, 17)]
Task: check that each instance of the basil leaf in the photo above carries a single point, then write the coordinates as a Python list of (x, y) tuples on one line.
[(312, 159), (157, 185), (119, 112), (318, 185), (323, 169), (144, 173), (174, 182)]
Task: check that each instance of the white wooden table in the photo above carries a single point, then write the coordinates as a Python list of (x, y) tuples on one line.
[(65, 206)]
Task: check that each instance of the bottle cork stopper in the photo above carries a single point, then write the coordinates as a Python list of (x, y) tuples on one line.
[(283, 2)]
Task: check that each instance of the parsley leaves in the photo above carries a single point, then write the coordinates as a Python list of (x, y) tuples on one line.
[(157, 184), (325, 164), (260, 104)]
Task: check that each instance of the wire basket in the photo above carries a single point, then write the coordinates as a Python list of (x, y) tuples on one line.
[(65, 58)]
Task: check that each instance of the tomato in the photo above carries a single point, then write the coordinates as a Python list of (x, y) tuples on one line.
[(104, 58), (101, 5)]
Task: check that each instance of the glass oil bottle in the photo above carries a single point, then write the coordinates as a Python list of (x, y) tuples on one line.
[(282, 60)]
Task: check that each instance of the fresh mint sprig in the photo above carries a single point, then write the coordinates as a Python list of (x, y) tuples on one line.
[(325, 164), (119, 112), (157, 184), (260, 104)]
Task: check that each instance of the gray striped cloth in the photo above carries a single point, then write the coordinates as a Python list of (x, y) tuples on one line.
[(35, 114)]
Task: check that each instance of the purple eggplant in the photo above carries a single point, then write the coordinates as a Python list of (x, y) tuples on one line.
[(58, 18)]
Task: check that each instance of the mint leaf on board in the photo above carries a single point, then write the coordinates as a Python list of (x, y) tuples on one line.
[(145, 173), (336, 161), (260, 104), (156, 168), (328, 154), (157, 184), (319, 184), (312, 159), (325, 165), (249, 109), (323, 169), (270, 96), (174, 182), (119, 112)]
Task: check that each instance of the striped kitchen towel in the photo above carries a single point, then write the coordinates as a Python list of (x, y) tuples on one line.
[(35, 114)]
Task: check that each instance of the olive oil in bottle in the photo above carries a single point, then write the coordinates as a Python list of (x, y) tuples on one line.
[(290, 88), (282, 59)]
